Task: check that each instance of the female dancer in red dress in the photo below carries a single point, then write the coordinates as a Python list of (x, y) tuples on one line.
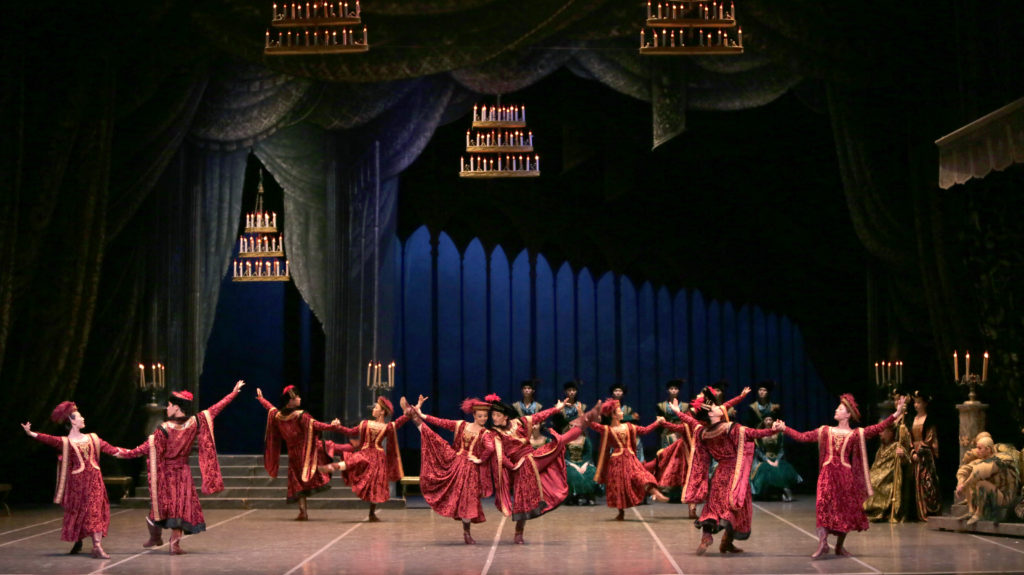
[(843, 483), (453, 478), (301, 435), (369, 469), (537, 484), (173, 501), (80, 489), (672, 464), (726, 497), (626, 482)]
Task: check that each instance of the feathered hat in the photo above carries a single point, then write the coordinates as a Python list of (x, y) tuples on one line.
[(63, 411), (471, 404), (609, 406), (500, 406), (851, 406)]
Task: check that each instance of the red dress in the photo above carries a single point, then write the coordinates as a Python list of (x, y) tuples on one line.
[(451, 483), (726, 496), (539, 484), (80, 488), (301, 435), (626, 482), (369, 469), (843, 483), (174, 503)]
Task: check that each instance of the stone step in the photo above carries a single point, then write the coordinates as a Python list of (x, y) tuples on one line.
[(951, 523), (318, 501)]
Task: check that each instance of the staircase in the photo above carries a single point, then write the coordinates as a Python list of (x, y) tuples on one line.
[(247, 486)]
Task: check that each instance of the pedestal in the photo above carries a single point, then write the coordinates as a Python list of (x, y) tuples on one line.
[(972, 422), (154, 417)]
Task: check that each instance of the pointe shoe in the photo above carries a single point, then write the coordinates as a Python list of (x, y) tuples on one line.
[(76, 548), (518, 539), (705, 540), (468, 538)]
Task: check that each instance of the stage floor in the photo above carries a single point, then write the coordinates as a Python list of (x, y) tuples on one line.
[(654, 539)]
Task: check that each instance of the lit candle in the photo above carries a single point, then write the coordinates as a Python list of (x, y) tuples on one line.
[(154, 376), (648, 9), (307, 10), (536, 163), (234, 273), (956, 368), (369, 371), (967, 364), (984, 368), (462, 164), (659, 10), (248, 268), (876, 373), (267, 45), (376, 371), (162, 375), (732, 10), (274, 223), (366, 41), (142, 376), (888, 372), (293, 11), (739, 34), (467, 136), (357, 9), (286, 272), (524, 114), (899, 372), (391, 374), (531, 139), (277, 268), (499, 163)]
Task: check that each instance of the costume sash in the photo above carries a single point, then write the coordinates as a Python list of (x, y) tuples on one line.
[(154, 491), (213, 482), (309, 460), (602, 455), (395, 471), (62, 469)]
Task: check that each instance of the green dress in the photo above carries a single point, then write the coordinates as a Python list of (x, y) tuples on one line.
[(580, 469), (764, 476)]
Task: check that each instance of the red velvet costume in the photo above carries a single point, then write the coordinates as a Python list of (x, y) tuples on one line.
[(726, 497), (174, 503), (625, 480), (301, 435), (369, 469), (843, 483), (539, 485), (451, 483), (80, 489), (671, 464)]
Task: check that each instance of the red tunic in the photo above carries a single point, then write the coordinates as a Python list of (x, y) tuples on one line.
[(80, 488), (369, 469), (843, 483), (450, 482), (301, 435), (174, 503), (539, 484), (727, 499), (626, 482)]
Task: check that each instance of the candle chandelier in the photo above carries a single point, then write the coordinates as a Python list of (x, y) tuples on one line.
[(315, 28), (261, 247), (687, 28), (499, 145)]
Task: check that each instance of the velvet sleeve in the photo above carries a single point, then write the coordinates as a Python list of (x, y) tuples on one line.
[(675, 427), (596, 426), (321, 426), (873, 430), (218, 407), (688, 419), (647, 428), (760, 433), (51, 440), (734, 401), (931, 440), (402, 420), (540, 416), (266, 404), (802, 436), (111, 449), (448, 424), (141, 450)]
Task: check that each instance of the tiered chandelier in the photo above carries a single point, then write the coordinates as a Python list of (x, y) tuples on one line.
[(261, 247), (688, 28), (499, 145), (315, 28)]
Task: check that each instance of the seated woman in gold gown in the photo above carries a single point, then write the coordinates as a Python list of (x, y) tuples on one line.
[(892, 493)]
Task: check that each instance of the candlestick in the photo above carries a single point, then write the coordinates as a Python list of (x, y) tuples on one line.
[(956, 368), (899, 372), (984, 368), (369, 372), (142, 376), (967, 366), (163, 376), (391, 375), (876, 373), (366, 41)]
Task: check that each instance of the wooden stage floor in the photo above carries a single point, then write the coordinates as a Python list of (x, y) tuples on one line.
[(655, 539)]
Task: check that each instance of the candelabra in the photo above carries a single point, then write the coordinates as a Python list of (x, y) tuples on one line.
[(260, 247), (375, 380), (156, 381), (684, 27), (315, 28), (498, 146), (970, 380), (889, 375)]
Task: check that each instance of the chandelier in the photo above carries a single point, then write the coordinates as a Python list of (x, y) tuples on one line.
[(687, 28), (315, 28), (260, 247), (499, 145)]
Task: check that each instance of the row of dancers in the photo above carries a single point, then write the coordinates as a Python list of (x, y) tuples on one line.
[(491, 455)]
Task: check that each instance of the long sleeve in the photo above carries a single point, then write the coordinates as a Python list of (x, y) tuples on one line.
[(51, 440), (676, 427), (596, 426), (760, 433), (111, 449), (540, 416), (688, 419), (931, 440), (141, 450), (732, 402), (647, 428), (402, 420), (266, 404), (802, 436), (873, 430), (321, 426), (448, 424), (218, 407)]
